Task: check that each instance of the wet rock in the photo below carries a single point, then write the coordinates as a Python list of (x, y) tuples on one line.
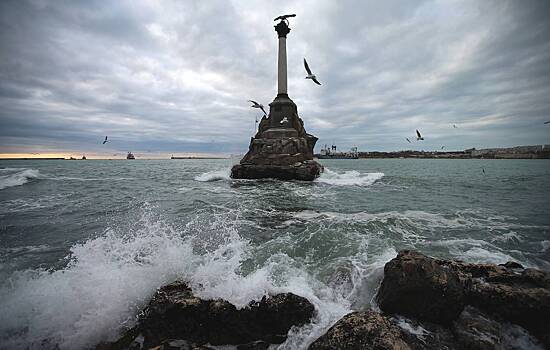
[(437, 290), (512, 265), (477, 331), (175, 313), (256, 345), (179, 344), (425, 335), (306, 171), (362, 330), (417, 286)]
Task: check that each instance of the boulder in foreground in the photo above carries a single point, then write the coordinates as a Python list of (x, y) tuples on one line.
[(177, 315), (436, 290), (362, 330)]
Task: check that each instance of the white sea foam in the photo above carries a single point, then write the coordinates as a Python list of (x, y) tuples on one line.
[(408, 326), (348, 178), (10, 177), (111, 277), (215, 175), (481, 255)]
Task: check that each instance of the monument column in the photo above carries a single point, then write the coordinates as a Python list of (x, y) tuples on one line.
[(282, 30), (281, 149)]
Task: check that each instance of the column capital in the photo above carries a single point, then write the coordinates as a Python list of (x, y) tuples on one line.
[(282, 29)]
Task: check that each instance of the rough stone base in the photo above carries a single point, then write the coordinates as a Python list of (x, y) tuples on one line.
[(304, 171)]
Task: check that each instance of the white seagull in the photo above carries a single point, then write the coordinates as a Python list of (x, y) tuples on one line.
[(284, 120), (257, 105), (309, 74), (418, 136), (409, 141)]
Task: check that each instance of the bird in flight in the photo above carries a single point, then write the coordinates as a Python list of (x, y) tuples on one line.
[(454, 126), (548, 122), (283, 17), (104, 141), (418, 136), (406, 138), (257, 105), (284, 120), (483, 169), (309, 74), (442, 147)]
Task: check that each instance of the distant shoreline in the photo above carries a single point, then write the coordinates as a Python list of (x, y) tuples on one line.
[(24, 158), (33, 158), (518, 152)]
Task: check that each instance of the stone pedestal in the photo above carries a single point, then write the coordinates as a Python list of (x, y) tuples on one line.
[(281, 148)]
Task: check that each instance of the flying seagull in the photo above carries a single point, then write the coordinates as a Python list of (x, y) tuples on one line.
[(284, 120), (548, 122), (104, 141), (284, 17), (442, 147), (309, 74), (257, 105), (454, 126), (406, 138), (418, 136), (483, 169)]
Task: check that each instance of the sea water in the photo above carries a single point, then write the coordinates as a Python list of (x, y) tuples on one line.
[(85, 244)]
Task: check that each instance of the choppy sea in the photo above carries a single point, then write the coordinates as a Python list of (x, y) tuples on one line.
[(85, 244)]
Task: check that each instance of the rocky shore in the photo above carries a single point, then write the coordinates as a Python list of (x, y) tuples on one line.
[(425, 303)]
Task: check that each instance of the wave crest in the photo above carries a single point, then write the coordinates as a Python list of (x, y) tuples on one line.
[(349, 178), (10, 177), (214, 175)]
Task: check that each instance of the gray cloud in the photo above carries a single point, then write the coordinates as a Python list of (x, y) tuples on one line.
[(175, 76)]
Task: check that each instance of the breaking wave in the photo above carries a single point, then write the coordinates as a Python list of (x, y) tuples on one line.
[(215, 175), (10, 177), (348, 178), (109, 279)]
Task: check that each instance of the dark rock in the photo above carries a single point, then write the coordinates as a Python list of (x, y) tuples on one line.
[(256, 345), (512, 265), (175, 313), (306, 171), (477, 331), (425, 335), (522, 303), (362, 330), (416, 286), (437, 290), (179, 344)]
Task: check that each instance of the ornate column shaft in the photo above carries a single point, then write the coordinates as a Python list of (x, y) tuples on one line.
[(282, 30), (282, 79)]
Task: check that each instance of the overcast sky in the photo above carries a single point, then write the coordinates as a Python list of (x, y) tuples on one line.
[(163, 76)]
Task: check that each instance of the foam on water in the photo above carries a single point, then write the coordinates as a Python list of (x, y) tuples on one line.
[(109, 279), (10, 177), (348, 178), (214, 175), (423, 230)]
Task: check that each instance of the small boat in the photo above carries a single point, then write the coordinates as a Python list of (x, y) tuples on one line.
[(83, 157), (72, 158), (130, 156)]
